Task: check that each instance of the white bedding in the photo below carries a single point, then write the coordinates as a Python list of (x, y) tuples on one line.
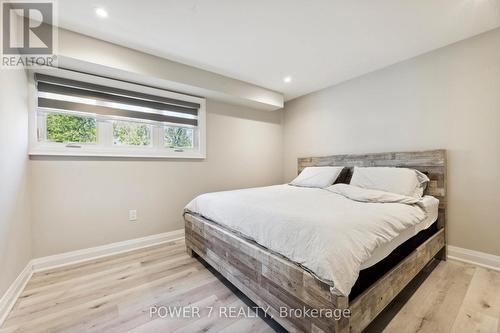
[(330, 232), (431, 206)]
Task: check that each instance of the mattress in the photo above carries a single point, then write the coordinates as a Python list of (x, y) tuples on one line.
[(431, 207)]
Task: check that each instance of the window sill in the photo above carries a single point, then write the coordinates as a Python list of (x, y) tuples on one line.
[(137, 153)]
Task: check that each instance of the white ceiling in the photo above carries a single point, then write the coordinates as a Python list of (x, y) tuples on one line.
[(317, 42)]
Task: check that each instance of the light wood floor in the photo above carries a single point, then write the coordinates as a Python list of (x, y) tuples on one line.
[(115, 294)]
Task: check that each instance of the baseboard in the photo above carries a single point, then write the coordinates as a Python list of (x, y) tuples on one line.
[(40, 264), (477, 258), (73, 257), (10, 296)]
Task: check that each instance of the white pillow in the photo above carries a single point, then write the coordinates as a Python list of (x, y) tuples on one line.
[(321, 177), (403, 181)]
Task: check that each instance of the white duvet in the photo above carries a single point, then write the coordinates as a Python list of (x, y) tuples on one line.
[(330, 232)]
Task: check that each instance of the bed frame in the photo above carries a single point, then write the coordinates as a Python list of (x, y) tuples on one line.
[(278, 285)]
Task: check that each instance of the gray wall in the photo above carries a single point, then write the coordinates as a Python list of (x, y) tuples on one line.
[(80, 203), (15, 225), (449, 98)]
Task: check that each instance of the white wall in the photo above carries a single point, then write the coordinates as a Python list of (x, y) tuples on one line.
[(15, 225), (449, 98), (92, 55), (79, 203)]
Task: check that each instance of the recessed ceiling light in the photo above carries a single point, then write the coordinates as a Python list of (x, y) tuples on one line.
[(287, 79), (101, 12)]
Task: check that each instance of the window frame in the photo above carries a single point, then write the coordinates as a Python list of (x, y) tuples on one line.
[(104, 146)]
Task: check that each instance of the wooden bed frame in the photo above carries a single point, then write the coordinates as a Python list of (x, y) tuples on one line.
[(280, 286)]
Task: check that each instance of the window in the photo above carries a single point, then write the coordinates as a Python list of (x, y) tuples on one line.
[(69, 128), (103, 117), (179, 137), (131, 133)]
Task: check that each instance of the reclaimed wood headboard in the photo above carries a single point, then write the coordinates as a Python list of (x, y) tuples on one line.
[(430, 162)]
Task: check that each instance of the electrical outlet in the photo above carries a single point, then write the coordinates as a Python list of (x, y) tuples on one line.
[(132, 215)]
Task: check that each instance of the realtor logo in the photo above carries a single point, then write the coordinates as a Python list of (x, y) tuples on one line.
[(28, 34)]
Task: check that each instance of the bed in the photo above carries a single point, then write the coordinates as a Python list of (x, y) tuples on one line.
[(285, 284)]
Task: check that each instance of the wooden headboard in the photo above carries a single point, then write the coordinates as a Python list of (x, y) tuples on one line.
[(430, 162)]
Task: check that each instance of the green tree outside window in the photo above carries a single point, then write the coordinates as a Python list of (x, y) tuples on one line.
[(178, 137), (69, 128), (130, 133)]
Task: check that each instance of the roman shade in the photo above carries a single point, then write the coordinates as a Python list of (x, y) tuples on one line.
[(55, 93)]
